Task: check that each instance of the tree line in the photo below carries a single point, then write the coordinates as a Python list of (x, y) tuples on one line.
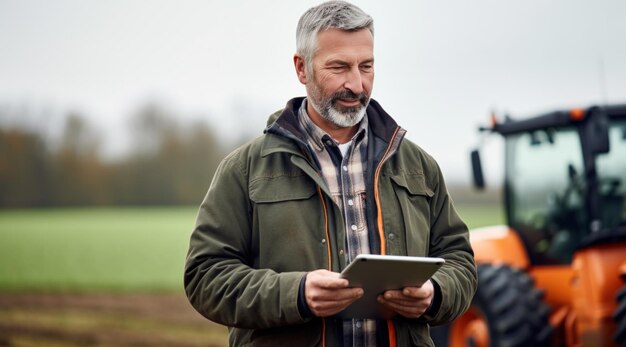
[(169, 163)]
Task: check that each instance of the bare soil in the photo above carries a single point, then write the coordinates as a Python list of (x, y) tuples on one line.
[(103, 320)]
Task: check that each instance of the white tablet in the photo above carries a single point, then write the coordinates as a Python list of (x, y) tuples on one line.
[(379, 273)]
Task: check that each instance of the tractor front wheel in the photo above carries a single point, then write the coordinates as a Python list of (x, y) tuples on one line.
[(507, 310)]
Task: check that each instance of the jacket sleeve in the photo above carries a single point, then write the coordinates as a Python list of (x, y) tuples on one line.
[(449, 239), (219, 277)]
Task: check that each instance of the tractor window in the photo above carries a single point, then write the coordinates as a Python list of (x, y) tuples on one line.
[(611, 169), (545, 192)]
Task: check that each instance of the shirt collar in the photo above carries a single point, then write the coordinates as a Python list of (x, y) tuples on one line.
[(318, 136)]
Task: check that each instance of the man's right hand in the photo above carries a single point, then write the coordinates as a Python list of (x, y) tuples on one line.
[(327, 293)]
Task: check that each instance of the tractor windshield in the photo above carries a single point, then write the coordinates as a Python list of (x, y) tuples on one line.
[(546, 189), (545, 192)]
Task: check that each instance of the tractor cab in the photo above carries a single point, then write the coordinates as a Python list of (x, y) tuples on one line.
[(565, 180), (555, 275)]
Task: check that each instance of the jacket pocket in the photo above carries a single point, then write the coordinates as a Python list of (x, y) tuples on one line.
[(288, 223), (281, 188), (414, 198), (413, 183)]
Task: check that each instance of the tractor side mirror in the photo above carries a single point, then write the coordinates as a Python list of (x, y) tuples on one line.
[(477, 170), (598, 133)]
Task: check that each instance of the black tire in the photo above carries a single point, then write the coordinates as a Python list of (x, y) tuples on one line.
[(508, 305), (620, 317)]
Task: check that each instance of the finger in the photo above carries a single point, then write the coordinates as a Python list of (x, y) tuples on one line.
[(406, 303), (409, 311), (400, 302), (410, 293), (401, 299), (416, 293), (326, 279), (331, 295), (338, 304), (324, 308), (394, 295), (425, 291)]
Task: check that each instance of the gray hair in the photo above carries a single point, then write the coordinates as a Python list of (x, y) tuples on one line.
[(331, 14)]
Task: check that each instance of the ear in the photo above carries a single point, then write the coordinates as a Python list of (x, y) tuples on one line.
[(299, 64)]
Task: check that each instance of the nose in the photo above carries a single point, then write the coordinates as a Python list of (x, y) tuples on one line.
[(354, 80)]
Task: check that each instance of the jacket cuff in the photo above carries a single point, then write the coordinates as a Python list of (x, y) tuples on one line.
[(303, 308)]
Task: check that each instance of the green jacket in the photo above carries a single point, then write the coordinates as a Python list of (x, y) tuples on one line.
[(267, 220)]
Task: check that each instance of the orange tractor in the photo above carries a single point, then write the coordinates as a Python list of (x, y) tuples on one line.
[(556, 274)]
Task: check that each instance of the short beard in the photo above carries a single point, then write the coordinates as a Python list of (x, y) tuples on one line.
[(343, 117)]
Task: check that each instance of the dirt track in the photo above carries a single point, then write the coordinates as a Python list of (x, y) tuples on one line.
[(104, 320)]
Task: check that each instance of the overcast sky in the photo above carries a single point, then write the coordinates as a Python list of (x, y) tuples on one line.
[(441, 65)]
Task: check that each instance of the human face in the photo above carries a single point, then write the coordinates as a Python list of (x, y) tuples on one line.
[(342, 76)]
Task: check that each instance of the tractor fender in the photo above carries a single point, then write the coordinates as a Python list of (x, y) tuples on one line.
[(499, 245)]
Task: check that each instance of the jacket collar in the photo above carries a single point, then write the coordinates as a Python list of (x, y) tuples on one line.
[(285, 122)]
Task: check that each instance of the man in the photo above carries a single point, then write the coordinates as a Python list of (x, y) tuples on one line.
[(332, 177)]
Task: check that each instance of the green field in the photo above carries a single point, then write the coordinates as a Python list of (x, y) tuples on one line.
[(481, 215), (109, 277), (112, 249), (116, 249)]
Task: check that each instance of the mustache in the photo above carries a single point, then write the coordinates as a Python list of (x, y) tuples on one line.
[(348, 94)]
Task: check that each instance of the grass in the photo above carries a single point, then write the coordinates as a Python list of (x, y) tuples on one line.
[(481, 215), (113, 249), (116, 249)]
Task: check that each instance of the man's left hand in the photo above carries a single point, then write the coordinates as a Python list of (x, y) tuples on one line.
[(410, 302)]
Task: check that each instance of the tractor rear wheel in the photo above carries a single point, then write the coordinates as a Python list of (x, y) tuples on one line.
[(507, 310), (620, 318)]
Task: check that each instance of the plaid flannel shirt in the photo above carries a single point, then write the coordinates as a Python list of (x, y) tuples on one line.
[(345, 177)]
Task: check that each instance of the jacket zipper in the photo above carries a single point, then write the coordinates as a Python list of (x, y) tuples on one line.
[(326, 231), (330, 264), (381, 229)]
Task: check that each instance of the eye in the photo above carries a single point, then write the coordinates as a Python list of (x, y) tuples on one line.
[(367, 67), (337, 68)]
